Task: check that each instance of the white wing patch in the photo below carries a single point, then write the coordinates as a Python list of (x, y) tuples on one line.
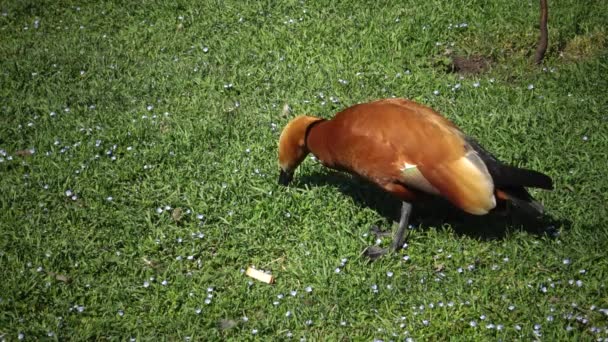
[(413, 178)]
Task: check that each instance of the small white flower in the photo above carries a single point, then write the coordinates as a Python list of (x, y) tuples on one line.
[(159, 210), (205, 49), (146, 284), (207, 301), (288, 313), (69, 193), (150, 107), (308, 289), (293, 293), (406, 257), (530, 86), (121, 313), (435, 92), (164, 283), (337, 270), (473, 324), (566, 261), (109, 198), (579, 283), (254, 331), (389, 274), (476, 84), (80, 308), (245, 319)]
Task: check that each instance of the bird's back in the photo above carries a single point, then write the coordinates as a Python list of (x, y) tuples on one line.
[(400, 141)]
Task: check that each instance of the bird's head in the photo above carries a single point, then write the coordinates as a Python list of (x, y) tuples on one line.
[(292, 146)]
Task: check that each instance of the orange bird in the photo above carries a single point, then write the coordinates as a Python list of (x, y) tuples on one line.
[(407, 149)]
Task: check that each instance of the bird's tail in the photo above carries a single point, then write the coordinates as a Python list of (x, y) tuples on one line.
[(506, 175), (521, 199)]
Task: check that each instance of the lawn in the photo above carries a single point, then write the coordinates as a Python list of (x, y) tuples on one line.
[(138, 167)]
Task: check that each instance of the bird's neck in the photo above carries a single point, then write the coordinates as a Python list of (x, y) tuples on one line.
[(317, 140)]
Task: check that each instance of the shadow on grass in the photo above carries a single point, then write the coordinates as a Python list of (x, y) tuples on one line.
[(432, 211)]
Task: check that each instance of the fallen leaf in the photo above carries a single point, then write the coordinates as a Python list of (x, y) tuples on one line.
[(60, 277), (226, 324), (177, 214), (23, 153), (150, 263)]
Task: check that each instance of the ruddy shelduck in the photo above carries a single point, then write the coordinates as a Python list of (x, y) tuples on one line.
[(407, 149)]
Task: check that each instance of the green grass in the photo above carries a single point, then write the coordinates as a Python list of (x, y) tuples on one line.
[(188, 97)]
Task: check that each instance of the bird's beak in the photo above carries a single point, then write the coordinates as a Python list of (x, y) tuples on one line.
[(285, 178)]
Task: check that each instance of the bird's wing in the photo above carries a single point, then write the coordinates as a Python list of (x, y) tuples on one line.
[(428, 152)]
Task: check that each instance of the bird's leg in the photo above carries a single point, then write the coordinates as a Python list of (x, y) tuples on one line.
[(374, 252), (402, 232), (378, 233)]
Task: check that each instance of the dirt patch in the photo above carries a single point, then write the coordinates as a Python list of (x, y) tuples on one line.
[(469, 65), (583, 47)]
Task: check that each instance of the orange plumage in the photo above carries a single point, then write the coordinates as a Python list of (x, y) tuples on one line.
[(407, 148)]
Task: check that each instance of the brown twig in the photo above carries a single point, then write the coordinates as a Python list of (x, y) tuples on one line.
[(544, 33)]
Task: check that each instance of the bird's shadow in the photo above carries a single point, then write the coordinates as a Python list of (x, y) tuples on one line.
[(432, 211)]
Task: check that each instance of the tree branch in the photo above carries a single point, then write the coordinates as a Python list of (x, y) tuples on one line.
[(543, 41)]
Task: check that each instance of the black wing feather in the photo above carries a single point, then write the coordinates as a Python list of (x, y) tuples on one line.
[(506, 176)]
